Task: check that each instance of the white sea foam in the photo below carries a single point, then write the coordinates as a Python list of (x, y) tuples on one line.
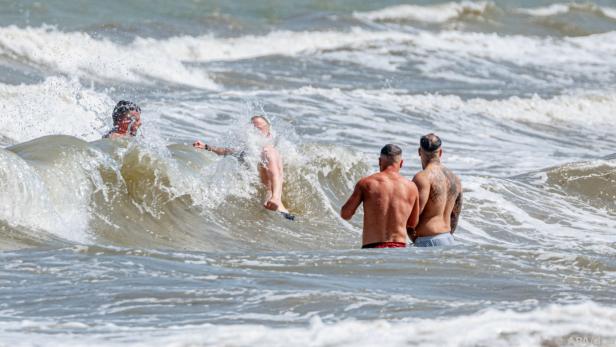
[(552, 10), (583, 108), (439, 55), (558, 325), (557, 9), (429, 14), (80, 54), (55, 106), (519, 50), (290, 43)]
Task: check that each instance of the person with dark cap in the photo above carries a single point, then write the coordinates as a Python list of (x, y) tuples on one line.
[(391, 203), (440, 197), (126, 120)]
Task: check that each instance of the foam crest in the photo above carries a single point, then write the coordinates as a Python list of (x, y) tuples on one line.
[(581, 108), (440, 13), (558, 9), (55, 106), (79, 54), (555, 325), (209, 48), (438, 55)]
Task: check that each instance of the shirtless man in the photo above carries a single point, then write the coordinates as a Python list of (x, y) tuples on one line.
[(440, 197), (391, 204), (126, 120), (271, 168)]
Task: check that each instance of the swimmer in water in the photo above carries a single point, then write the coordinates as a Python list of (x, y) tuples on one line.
[(440, 197), (270, 169), (391, 205), (126, 120)]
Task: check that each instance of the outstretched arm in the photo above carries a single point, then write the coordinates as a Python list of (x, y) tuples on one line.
[(455, 213), (217, 150), (349, 208)]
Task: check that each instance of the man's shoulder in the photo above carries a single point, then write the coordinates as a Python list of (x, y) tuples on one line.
[(450, 173), (370, 180), (421, 177), (409, 184), (366, 180)]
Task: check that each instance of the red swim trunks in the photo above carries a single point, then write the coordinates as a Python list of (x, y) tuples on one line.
[(385, 245)]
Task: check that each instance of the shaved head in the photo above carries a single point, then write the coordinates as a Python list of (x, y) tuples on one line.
[(391, 153)]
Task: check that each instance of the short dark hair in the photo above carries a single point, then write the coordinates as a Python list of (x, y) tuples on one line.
[(430, 143), (122, 108), (391, 151)]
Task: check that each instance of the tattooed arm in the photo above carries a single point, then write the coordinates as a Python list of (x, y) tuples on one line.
[(455, 213)]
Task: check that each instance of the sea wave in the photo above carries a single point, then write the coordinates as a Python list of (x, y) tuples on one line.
[(81, 54), (463, 10), (440, 13), (560, 8), (127, 194), (438, 55), (593, 182), (586, 323), (579, 108), (55, 106)]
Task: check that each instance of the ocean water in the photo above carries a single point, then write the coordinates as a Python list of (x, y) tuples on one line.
[(151, 243)]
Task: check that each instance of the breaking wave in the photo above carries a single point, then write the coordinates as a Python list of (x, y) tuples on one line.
[(558, 9), (592, 182), (179, 60), (465, 10), (555, 325), (440, 13), (120, 193), (55, 106)]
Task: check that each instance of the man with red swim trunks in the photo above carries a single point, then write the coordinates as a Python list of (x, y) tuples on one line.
[(391, 203)]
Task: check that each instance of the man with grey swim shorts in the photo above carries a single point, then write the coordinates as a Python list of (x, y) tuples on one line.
[(440, 197)]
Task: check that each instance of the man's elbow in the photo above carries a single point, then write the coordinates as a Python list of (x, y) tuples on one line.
[(345, 214)]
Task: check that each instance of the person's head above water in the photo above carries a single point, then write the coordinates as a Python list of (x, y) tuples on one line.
[(126, 118), (430, 149), (262, 124), (391, 155)]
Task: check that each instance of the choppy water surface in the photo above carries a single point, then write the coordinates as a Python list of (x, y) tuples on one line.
[(148, 242)]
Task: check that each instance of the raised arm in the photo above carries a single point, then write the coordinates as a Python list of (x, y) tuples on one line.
[(349, 208), (457, 208), (217, 150), (423, 186)]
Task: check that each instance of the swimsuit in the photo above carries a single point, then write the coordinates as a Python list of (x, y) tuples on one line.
[(385, 245), (444, 239)]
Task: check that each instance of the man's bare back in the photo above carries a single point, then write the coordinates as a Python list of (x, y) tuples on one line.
[(391, 205), (440, 193)]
